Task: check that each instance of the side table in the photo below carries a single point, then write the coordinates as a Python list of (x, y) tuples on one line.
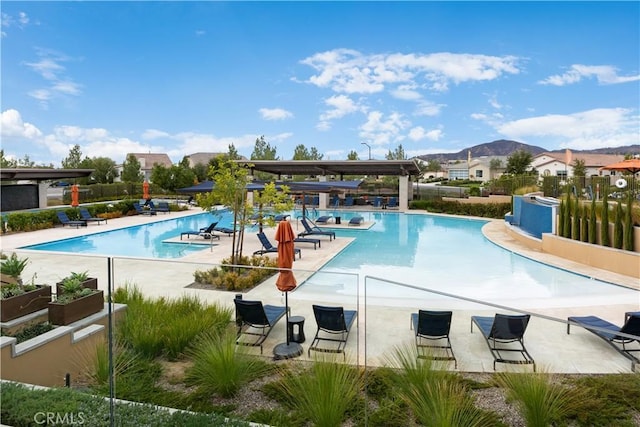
[(295, 329)]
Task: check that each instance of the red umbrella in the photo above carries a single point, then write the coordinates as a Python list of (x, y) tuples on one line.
[(74, 195), (630, 165), (145, 190), (286, 282), (284, 235)]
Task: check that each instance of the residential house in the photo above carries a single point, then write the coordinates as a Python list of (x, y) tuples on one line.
[(147, 161), (480, 168), (202, 158), (560, 164)]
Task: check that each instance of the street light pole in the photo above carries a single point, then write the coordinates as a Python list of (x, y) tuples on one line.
[(368, 146)]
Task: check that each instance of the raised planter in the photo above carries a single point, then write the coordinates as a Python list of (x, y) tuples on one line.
[(64, 314), (90, 283), (27, 303)]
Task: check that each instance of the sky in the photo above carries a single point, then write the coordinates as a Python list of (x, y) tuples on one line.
[(435, 77)]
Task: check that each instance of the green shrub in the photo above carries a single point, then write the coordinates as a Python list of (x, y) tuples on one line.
[(220, 367), (541, 399), (584, 222), (593, 223), (575, 227), (628, 224), (166, 326), (31, 332), (604, 222), (235, 278), (485, 210)]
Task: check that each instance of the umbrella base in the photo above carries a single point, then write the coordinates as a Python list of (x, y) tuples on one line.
[(287, 351)]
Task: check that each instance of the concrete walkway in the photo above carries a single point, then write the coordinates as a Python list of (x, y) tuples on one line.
[(380, 328)]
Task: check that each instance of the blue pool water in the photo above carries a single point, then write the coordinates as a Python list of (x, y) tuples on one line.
[(436, 252)]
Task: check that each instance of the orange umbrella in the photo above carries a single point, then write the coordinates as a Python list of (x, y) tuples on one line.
[(145, 190), (630, 165), (74, 195), (284, 235)]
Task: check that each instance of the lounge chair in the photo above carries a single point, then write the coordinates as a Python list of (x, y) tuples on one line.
[(256, 320), (162, 207), (225, 230), (268, 248), (324, 219), (316, 242), (356, 220), (281, 217), (377, 202), (610, 333), (334, 324), (65, 221), (86, 216), (432, 335), (315, 230), (392, 203), (142, 211), (348, 201), (505, 334), (205, 233)]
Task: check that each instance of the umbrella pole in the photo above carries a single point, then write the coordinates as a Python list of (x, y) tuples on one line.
[(286, 314)]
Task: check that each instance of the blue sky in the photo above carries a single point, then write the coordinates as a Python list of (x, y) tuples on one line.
[(187, 77)]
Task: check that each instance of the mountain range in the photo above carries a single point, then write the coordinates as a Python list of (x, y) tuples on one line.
[(504, 147)]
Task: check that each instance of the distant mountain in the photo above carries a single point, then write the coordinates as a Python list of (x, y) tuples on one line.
[(504, 147)]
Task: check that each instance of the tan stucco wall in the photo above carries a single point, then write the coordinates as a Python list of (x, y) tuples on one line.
[(615, 260), (45, 360)]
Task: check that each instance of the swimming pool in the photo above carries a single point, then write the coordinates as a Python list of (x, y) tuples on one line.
[(436, 252)]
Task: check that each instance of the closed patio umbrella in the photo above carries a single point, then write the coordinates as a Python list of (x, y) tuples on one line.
[(286, 282)]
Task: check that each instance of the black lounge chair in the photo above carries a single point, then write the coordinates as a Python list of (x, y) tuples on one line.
[(86, 216), (205, 233), (142, 211), (504, 334), (65, 221), (314, 231), (610, 333), (334, 324), (316, 242), (356, 220), (256, 321), (432, 335), (268, 248)]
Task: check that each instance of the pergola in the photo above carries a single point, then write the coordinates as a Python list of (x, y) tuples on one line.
[(328, 170)]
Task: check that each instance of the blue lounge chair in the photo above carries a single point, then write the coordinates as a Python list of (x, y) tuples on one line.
[(65, 221), (504, 334), (611, 333), (356, 220), (86, 216), (324, 219), (268, 248), (348, 201), (162, 207), (142, 211), (205, 233), (281, 217), (225, 230), (334, 325), (256, 320), (377, 202), (432, 335), (315, 230), (392, 203), (316, 242)]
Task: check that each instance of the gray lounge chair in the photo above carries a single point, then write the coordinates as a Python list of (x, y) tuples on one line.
[(504, 335)]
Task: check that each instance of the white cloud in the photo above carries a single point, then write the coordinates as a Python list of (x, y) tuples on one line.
[(275, 114), (349, 71), (419, 133), (597, 128), (13, 126), (406, 93), (426, 108), (50, 68), (150, 134), (604, 74), (341, 105), (380, 130)]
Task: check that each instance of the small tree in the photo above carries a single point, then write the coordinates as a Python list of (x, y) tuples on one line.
[(518, 162), (567, 218), (131, 170), (604, 221), (593, 223), (628, 224), (617, 227), (561, 209), (584, 226), (575, 227)]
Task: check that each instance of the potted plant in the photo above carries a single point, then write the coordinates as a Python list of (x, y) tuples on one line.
[(74, 301), (19, 299), (83, 277)]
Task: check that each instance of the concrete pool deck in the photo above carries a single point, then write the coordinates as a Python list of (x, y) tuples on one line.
[(382, 327)]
